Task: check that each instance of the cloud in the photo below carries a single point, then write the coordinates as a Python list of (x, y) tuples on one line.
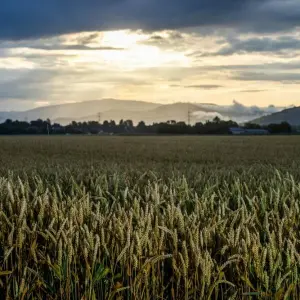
[(254, 45), (202, 116), (34, 19), (87, 38), (283, 72), (275, 66), (63, 84), (204, 86), (198, 86), (26, 84), (286, 71), (283, 77), (167, 39), (74, 47), (238, 110), (165, 36), (56, 44), (252, 91)]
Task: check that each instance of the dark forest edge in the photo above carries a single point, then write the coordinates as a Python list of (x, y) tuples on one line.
[(215, 126)]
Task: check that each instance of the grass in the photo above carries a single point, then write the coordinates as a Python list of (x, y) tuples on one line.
[(149, 217)]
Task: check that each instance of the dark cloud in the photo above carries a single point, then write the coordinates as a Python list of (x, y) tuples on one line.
[(21, 19), (276, 66), (86, 39), (169, 38), (266, 44), (198, 86), (155, 38), (55, 45), (286, 78), (252, 91), (204, 86), (73, 47)]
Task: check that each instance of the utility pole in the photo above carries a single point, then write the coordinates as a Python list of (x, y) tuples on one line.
[(48, 126), (189, 116)]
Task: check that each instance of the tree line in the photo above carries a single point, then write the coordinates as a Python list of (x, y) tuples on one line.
[(215, 126)]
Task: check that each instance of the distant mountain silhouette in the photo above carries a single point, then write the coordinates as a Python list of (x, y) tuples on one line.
[(76, 111), (290, 115), (112, 109), (109, 109)]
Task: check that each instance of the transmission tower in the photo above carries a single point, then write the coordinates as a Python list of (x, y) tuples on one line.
[(99, 117)]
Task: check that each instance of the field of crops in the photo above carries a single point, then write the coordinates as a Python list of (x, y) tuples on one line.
[(150, 217)]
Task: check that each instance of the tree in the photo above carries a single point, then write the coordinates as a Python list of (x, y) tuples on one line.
[(105, 126), (217, 120), (216, 126), (250, 125), (283, 127), (128, 125), (141, 127)]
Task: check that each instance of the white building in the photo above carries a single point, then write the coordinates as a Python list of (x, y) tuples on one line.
[(245, 131)]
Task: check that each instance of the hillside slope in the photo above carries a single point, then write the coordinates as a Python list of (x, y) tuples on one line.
[(291, 115), (77, 110), (113, 109)]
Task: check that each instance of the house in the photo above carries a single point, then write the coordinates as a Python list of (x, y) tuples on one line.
[(245, 131), (236, 130), (257, 131)]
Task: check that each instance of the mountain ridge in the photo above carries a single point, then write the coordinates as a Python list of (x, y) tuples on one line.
[(290, 115), (149, 112)]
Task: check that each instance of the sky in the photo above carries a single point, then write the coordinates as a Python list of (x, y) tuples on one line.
[(203, 51)]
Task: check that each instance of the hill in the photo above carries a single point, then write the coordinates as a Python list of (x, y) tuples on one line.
[(112, 109), (290, 115), (77, 111), (109, 109)]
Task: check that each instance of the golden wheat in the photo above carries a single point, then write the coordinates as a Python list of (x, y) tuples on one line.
[(151, 228)]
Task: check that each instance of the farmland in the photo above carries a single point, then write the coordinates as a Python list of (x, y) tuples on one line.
[(150, 217)]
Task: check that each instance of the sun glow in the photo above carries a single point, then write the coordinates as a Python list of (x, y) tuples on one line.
[(128, 53), (121, 38)]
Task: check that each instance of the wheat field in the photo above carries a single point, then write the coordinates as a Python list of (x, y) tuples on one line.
[(150, 217)]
